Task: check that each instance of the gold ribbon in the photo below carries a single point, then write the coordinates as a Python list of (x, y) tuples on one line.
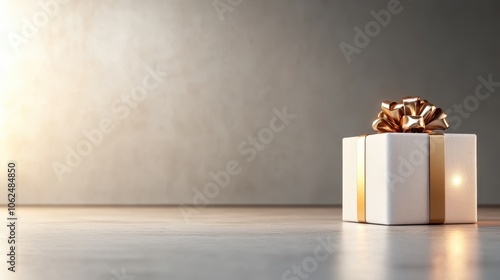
[(411, 115), (436, 178), (361, 176)]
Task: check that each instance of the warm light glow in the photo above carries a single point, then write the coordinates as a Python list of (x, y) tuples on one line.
[(456, 181)]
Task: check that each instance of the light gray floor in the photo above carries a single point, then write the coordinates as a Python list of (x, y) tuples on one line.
[(245, 243)]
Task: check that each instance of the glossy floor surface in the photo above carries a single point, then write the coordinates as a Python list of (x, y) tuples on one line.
[(244, 243)]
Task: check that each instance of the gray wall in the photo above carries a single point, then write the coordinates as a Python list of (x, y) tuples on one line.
[(225, 74)]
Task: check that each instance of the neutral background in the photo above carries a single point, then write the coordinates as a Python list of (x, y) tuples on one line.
[(226, 74)]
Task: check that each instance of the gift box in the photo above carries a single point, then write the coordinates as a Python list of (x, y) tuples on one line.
[(409, 172)]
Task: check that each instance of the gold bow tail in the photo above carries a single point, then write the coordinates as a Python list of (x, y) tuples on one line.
[(411, 115)]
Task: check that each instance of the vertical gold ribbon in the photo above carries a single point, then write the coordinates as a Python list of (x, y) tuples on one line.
[(361, 176), (436, 178)]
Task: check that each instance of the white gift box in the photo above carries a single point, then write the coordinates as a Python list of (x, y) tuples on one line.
[(396, 182)]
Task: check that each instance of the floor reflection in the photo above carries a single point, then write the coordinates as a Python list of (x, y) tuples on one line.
[(418, 252), (364, 251), (455, 252)]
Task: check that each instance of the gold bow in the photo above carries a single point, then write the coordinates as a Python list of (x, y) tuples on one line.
[(410, 115)]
